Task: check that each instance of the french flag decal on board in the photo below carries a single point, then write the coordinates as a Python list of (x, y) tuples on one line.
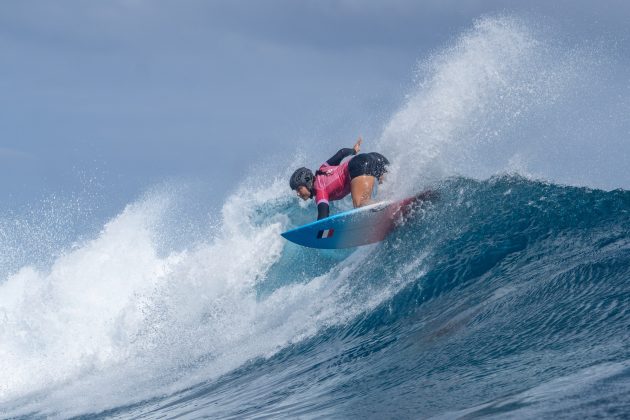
[(326, 233)]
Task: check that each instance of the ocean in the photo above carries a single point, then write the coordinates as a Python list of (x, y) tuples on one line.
[(507, 297)]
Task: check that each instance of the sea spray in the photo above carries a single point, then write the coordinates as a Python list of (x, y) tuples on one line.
[(503, 285), (494, 101)]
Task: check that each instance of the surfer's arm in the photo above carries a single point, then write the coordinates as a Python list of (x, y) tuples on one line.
[(323, 210), (339, 156), (344, 153)]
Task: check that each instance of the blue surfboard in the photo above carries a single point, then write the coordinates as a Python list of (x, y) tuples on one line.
[(361, 226)]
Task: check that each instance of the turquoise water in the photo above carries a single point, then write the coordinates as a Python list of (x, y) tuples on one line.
[(507, 297), (518, 308)]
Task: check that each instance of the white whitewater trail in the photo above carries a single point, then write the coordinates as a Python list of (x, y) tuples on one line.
[(116, 319), (113, 322)]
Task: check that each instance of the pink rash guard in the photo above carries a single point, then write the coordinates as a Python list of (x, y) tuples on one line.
[(334, 184)]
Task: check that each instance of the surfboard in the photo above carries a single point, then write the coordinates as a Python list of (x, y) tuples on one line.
[(356, 227)]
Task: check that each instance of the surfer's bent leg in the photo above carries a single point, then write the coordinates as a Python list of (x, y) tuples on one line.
[(361, 190), (364, 169)]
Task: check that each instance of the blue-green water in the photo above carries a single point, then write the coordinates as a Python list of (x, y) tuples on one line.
[(506, 297), (521, 309)]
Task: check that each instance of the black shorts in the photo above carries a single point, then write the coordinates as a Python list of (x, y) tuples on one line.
[(367, 164)]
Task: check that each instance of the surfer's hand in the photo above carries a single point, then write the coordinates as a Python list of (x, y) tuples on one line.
[(357, 145)]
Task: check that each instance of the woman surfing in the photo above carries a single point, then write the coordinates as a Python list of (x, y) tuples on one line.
[(336, 178)]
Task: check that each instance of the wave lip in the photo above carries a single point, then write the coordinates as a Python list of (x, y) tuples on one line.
[(487, 302), (482, 303), (506, 298), (520, 291)]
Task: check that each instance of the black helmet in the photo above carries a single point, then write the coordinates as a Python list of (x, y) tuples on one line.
[(302, 176)]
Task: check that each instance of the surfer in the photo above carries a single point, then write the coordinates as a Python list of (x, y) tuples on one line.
[(336, 179)]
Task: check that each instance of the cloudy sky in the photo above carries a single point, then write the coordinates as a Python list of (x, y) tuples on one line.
[(128, 93)]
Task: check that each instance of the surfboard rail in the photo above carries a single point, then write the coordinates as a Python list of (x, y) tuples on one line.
[(356, 227)]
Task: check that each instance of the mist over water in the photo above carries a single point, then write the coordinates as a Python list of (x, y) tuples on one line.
[(136, 320), (508, 97)]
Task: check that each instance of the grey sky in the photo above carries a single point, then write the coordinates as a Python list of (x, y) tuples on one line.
[(134, 92)]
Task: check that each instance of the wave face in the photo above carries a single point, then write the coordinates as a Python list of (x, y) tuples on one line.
[(506, 297)]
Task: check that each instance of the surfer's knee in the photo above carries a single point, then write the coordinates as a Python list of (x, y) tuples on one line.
[(364, 200)]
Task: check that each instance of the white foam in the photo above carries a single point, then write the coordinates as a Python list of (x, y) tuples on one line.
[(63, 321), (112, 321)]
